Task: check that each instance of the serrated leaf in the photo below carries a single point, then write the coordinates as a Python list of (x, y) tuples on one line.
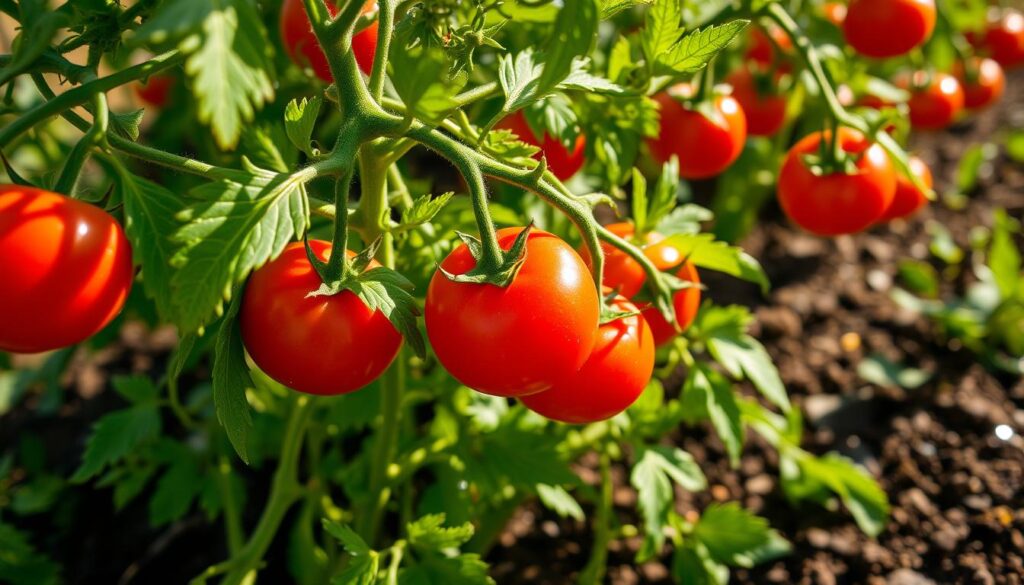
[(116, 435), (706, 252), (722, 408), (698, 48), (662, 28), (653, 475), (466, 569), (429, 533), (424, 209), (422, 74), (580, 78), (609, 8), (560, 501), (519, 76), (234, 230), (861, 495), (135, 389), (231, 379), (299, 121), (387, 291), (40, 25), (127, 124), (130, 484), (20, 563), (353, 543), (574, 35), (176, 489), (743, 356), (735, 536)]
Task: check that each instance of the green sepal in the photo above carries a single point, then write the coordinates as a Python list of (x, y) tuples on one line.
[(505, 273)]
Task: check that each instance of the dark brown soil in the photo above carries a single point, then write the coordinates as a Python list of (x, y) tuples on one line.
[(956, 490)]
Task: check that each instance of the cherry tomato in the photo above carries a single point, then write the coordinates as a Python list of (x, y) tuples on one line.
[(520, 339), (686, 302), (301, 44), (65, 269), (888, 28), (156, 90), (763, 50), (705, 147), (563, 164), (986, 84), (935, 101), (836, 203), (765, 112), (612, 378), (908, 198), (834, 12), (1004, 39), (322, 345)]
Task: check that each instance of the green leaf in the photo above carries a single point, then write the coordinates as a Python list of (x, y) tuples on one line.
[(229, 58), (116, 435), (20, 563), (559, 501), (130, 483), (1004, 257), (662, 30), (387, 291), (422, 74), (609, 8), (920, 277), (720, 402), (697, 48), (237, 227), (744, 357), (362, 570), (353, 543), (149, 211), (581, 79), (465, 569), (735, 536), (299, 122), (135, 389), (861, 495), (429, 533), (942, 245), (519, 76), (879, 370), (40, 25), (653, 475), (704, 251), (36, 496), (127, 124), (574, 35), (424, 209), (231, 378), (176, 489), (693, 565)]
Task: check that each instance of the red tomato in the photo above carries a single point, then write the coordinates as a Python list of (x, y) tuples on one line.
[(986, 84), (908, 198), (323, 345), (1004, 39), (763, 50), (836, 203), (156, 90), (705, 148), (301, 44), (935, 102), (765, 113), (65, 269), (888, 28), (686, 302), (563, 164), (834, 12), (622, 274), (520, 339), (612, 378)]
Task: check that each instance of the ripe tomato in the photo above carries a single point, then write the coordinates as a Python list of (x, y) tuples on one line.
[(765, 112), (834, 12), (836, 203), (686, 302), (935, 102), (705, 147), (908, 198), (888, 28), (986, 84), (563, 164), (612, 378), (762, 49), (1004, 39), (65, 269), (156, 90), (301, 44), (520, 339), (323, 345)]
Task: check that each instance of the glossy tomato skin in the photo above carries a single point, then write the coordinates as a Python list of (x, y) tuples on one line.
[(1004, 39), (837, 203), (986, 84), (834, 12), (908, 199), (935, 102), (704, 147), (65, 269), (686, 302), (613, 377), (888, 28), (156, 90), (561, 161), (765, 113), (622, 274), (301, 44), (520, 339), (324, 345)]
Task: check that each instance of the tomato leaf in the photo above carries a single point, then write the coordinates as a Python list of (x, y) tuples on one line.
[(574, 36), (231, 378), (716, 394), (116, 435), (177, 488), (429, 533), (861, 495), (609, 8), (693, 565), (704, 251), (299, 121), (421, 72), (653, 474), (734, 536), (387, 291), (135, 389), (365, 563), (20, 563), (1004, 257), (560, 501), (696, 49), (423, 210)]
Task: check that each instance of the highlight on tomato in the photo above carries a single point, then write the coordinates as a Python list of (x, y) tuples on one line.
[(822, 198), (325, 345), (303, 48), (706, 138), (888, 28), (834, 12), (908, 199), (982, 80), (562, 162), (65, 269), (1003, 39), (763, 106), (936, 99), (519, 339), (613, 377)]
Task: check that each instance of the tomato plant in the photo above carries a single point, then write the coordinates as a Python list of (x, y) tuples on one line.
[(765, 110), (564, 163), (304, 48), (707, 138)]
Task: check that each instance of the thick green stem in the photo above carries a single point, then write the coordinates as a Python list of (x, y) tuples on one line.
[(94, 137), (83, 93), (593, 573), (338, 265), (385, 28), (232, 517)]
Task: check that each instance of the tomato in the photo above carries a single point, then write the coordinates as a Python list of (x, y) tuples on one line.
[(156, 90), (705, 147), (303, 48), (65, 269), (563, 164), (935, 101), (763, 50), (888, 28), (323, 345), (686, 302), (834, 12), (520, 339), (765, 112), (836, 203), (613, 377), (1004, 39), (908, 198), (986, 84)]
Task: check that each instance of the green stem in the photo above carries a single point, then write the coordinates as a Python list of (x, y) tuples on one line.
[(397, 551), (338, 265), (83, 93), (593, 573), (95, 136), (386, 26), (232, 517), (392, 384)]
